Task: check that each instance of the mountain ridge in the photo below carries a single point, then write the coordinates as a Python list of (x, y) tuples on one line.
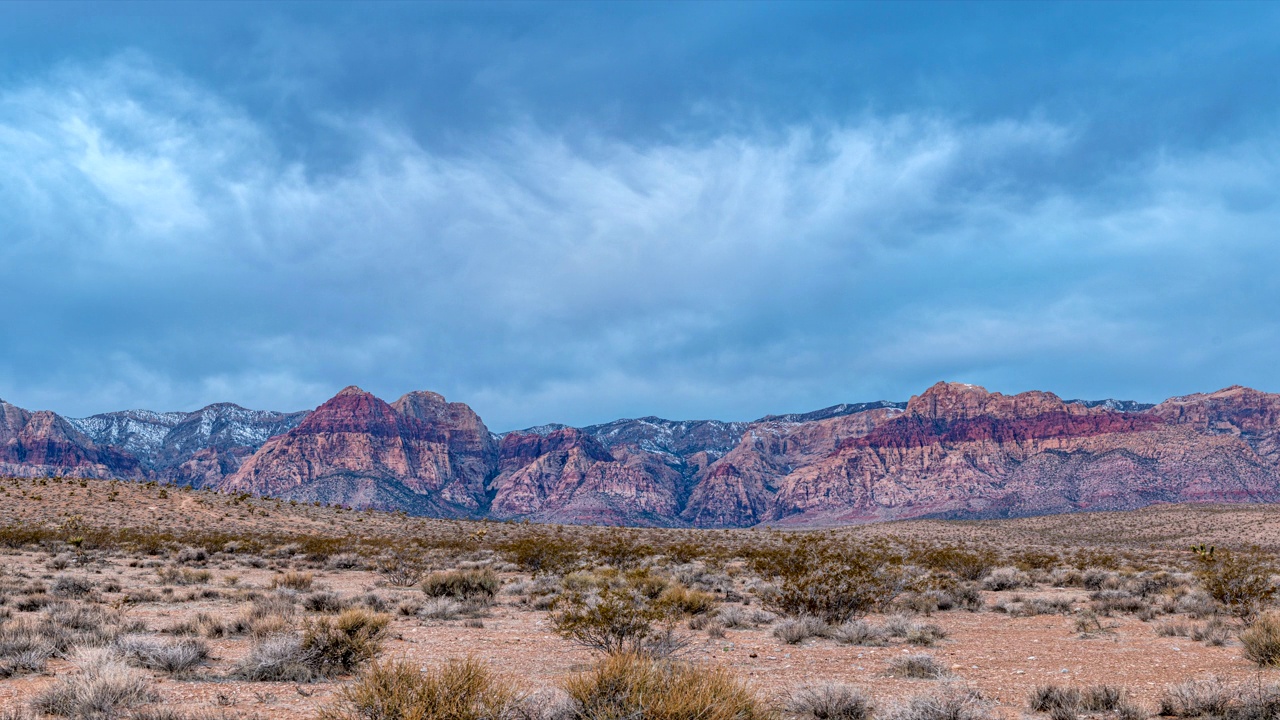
[(954, 450)]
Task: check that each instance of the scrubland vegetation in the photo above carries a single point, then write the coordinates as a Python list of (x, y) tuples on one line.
[(280, 610)]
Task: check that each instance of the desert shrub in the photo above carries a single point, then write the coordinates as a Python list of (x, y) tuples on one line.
[(614, 621), (950, 702), (1256, 702), (459, 690), (66, 586), (300, 581), (24, 648), (860, 632), (342, 644), (1197, 698), (834, 582), (101, 688), (191, 555), (1102, 698), (680, 600), (829, 702), (1239, 582), (1106, 602), (799, 629), (540, 553), (619, 549), (183, 576), (325, 601), (925, 634), (440, 609), (1173, 628), (627, 685), (1215, 632), (917, 666), (736, 616), (1047, 698), (402, 568), (964, 563), (462, 584), (173, 657), (1261, 640), (277, 658), (1006, 578)]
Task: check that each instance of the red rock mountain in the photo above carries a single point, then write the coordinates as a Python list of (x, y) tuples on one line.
[(421, 454), (42, 444), (954, 451)]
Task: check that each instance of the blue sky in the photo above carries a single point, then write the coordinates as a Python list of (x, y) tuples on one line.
[(577, 212)]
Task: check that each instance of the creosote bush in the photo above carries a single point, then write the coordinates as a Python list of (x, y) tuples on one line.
[(614, 621), (1239, 581), (340, 645), (831, 581)]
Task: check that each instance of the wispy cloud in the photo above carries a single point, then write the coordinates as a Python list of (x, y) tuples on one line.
[(167, 253)]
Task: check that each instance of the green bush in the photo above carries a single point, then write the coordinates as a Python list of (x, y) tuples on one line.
[(615, 621)]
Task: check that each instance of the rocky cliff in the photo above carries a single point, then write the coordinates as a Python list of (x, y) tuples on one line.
[(421, 454)]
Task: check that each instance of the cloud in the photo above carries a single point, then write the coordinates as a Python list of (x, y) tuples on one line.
[(168, 252)]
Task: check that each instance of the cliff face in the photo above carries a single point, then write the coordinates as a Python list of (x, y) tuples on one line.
[(959, 451), (569, 477), (44, 444), (954, 451), (422, 455)]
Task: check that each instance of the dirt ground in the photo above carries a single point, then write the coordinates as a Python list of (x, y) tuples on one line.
[(1002, 656)]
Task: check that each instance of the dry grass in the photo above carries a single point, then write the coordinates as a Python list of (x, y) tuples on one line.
[(458, 690), (629, 685)]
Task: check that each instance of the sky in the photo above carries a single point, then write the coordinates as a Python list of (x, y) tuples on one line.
[(583, 211)]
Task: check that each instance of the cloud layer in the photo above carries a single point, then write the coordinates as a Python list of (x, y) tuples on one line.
[(163, 245)]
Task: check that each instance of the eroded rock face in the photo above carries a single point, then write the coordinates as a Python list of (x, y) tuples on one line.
[(422, 455), (567, 476), (43, 444), (959, 451), (954, 451)]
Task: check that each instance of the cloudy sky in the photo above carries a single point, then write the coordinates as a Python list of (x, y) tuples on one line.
[(579, 212)]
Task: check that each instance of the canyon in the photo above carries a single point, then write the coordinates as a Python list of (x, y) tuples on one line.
[(954, 451)]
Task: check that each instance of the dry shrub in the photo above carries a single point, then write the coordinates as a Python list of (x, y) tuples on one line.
[(919, 666), (680, 600), (1048, 698), (860, 632), (101, 688), (173, 657), (540, 553), (1197, 698), (462, 584), (965, 564), (325, 602), (277, 658), (829, 702), (459, 690), (341, 645), (66, 586), (831, 581), (1240, 582), (614, 621), (300, 581), (798, 630), (950, 702), (1006, 578), (629, 685), (1262, 640)]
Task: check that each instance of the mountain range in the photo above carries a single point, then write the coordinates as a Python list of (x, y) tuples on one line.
[(953, 451)]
